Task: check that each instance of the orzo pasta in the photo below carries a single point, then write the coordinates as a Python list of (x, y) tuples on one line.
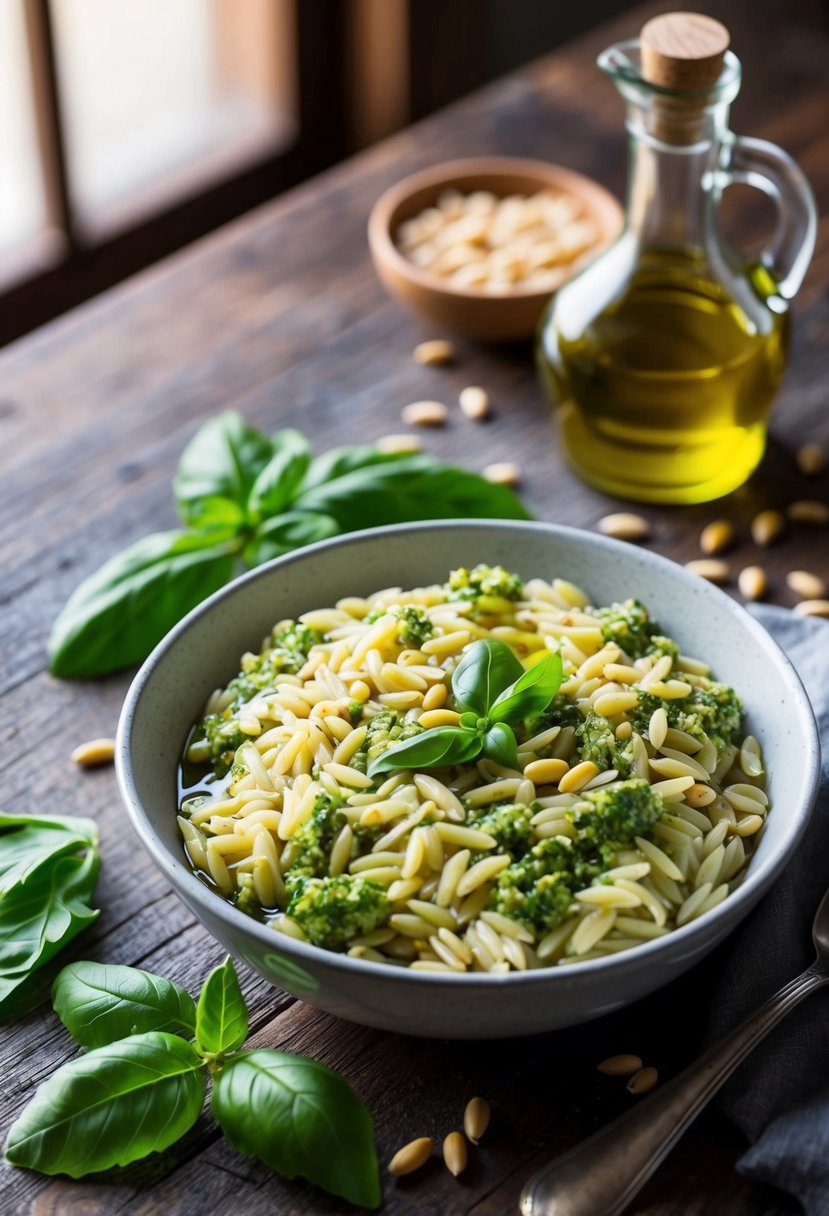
[(630, 807)]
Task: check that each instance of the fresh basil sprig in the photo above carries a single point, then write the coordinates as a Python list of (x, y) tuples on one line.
[(142, 1086), (491, 689), (246, 498), (48, 870)]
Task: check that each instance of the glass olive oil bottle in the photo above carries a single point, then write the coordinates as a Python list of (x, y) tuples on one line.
[(665, 354)]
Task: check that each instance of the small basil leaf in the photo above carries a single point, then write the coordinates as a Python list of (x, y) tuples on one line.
[(531, 693), (116, 616), (222, 460), (277, 483), (469, 721), (431, 749), (100, 1003), (110, 1106), (340, 461), (286, 532), (221, 1014), (486, 667), (26, 841), (499, 744), (299, 1117)]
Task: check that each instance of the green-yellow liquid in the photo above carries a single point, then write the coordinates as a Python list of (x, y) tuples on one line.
[(665, 395)]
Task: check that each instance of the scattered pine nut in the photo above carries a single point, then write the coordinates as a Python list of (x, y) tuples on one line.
[(546, 772), (811, 460), (94, 753), (752, 582), (455, 1153), (502, 473), (709, 568), (474, 402), (434, 352), (399, 443), (812, 608), (411, 1156), (425, 413), (643, 1081), (476, 1118), (767, 527), (808, 511), (716, 537), (624, 525), (808, 586), (620, 1066), (577, 777)]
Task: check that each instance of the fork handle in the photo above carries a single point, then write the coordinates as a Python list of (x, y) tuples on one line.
[(601, 1176)]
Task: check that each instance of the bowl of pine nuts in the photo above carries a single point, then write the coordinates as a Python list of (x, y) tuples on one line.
[(480, 245)]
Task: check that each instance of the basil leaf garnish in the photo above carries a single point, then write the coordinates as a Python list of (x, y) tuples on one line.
[(110, 1107), (431, 749), (221, 1014), (277, 483), (221, 461), (99, 1003), (531, 693), (299, 1117), (499, 744), (27, 841), (288, 531), (486, 668)]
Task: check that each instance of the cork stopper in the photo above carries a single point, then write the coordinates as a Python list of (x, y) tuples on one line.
[(683, 50)]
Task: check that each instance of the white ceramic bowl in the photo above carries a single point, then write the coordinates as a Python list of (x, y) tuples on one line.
[(203, 653)]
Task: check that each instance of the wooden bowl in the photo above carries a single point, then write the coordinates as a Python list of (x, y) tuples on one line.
[(471, 310)]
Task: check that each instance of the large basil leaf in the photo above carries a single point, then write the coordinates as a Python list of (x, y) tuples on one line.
[(299, 1117), (119, 613), (286, 532), (26, 841), (110, 1107), (100, 1003), (499, 744), (339, 461), (430, 749), (485, 669), (221, 461), (40, 916), (221, 1014), (531, 693), (277, 483)]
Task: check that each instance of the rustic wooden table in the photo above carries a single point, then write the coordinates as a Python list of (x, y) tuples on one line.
[(280, 316)]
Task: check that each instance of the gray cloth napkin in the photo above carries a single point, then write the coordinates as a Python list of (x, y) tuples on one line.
[(780, 1096)]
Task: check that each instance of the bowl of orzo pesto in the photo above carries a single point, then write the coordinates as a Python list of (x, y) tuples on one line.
[(469, 780)]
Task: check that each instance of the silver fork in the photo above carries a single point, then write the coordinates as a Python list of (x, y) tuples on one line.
[(601, 1176)]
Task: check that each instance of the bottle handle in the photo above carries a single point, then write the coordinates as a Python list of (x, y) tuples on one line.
[(758, 163)]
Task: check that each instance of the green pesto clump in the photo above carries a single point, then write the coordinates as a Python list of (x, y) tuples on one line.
[(663, 646), (414, 626), (330, 911), (224, 737), (628, 624), (310, 846), (562, 711), (538, 888), (247, 900), (509, 824), (484, 586), (383, 729), (710, 709), (605, 819), (597, 742)]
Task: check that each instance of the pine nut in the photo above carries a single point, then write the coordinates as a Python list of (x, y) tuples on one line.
[(476, 1118), (716, 537), (808, 586), (546, 772), (747, 826), (624, 525), (502, 473), (620, 1066), (474, 402), (455, 1153), (811, 460), (812, 608), (808, 511), (94, 753), (709, 568), (434, 352), (767, 527), (752, 582), (425, 413), (577, 778), (438, 717), (643, 1081), (411, 1156), (398, 443), (435, 697)]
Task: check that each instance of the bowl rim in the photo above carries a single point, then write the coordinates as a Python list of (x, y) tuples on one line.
[(198, 894), (384, 249)]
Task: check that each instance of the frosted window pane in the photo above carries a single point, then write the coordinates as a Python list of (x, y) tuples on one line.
[(22, 201)]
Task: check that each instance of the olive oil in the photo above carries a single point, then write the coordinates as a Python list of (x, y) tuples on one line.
[(665, 393)]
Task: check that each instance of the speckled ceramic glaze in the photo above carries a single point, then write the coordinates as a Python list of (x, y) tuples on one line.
[(203, 652)]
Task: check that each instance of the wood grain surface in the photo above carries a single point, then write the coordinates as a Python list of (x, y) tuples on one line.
[(281, 317)]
